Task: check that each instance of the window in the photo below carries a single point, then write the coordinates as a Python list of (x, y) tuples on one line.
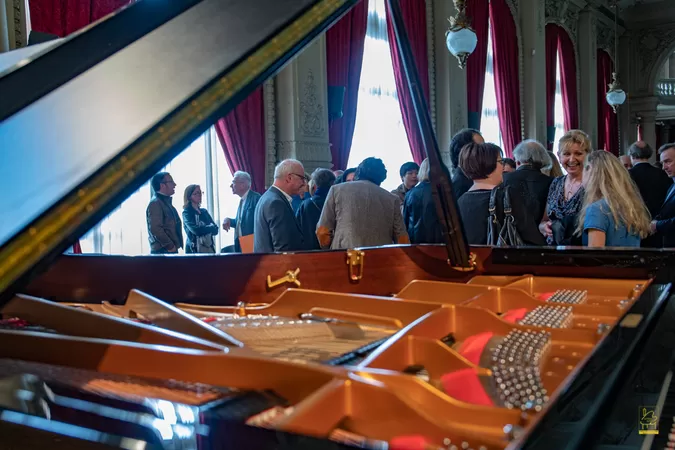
[(125, 231), (379, 129), (489, 123), (559, 114)]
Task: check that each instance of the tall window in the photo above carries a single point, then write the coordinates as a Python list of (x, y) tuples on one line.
[(379, 129), (125, 231), (489, 123)]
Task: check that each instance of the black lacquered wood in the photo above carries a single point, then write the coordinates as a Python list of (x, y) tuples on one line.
[(23, 86), (93, 120), (570, 421), (439, 176)]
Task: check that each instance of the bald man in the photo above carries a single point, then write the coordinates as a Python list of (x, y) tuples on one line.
[(276, 229)]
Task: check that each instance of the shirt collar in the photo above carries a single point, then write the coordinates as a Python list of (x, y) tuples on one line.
[(243, 197), (288, 197)]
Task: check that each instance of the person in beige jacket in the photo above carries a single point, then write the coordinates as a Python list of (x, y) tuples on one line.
[(361, 213)]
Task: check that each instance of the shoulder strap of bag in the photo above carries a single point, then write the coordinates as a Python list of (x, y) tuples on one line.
[(507, 202), (492, 208)]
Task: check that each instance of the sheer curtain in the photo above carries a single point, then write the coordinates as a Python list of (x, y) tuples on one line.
[(379, 129), (125, 231), (559, 109), (489, 124)]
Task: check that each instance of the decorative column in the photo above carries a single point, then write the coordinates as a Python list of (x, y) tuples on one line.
[(301, 93), (645, 108), (533, 25), (14, 24), (588, 74), (451, 102)]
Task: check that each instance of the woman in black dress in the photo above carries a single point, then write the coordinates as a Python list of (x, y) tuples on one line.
[(483, 163), (198, 223)]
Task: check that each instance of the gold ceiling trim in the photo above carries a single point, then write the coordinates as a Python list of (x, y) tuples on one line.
[(24, 251)]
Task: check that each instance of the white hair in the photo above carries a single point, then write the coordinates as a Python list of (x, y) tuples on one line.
[(286, 167), (531, 152), (243, 175)]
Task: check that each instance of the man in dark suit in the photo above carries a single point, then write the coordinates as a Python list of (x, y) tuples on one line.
[(276, 229), (165, 231), (527, 180), (664, 222), (309, 212), (652, 182), (243, 223)]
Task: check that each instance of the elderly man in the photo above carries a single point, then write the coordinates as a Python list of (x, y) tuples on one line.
[(309, 212), (243, 222), (527, 179), (276, 229), (664, 222), (626, 161)]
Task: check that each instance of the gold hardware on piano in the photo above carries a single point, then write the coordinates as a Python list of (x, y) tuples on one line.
[(355, 263), (290, 277)]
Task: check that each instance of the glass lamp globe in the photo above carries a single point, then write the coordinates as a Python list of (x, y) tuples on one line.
[(461, 43), (616, 97)]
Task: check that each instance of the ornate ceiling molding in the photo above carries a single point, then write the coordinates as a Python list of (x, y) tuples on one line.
[(605, 38), (652, 44), (565, 14)]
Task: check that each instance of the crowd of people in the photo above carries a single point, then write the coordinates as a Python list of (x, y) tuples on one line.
[(599, 200)]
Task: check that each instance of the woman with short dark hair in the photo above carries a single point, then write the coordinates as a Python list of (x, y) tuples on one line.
[(483, 163)]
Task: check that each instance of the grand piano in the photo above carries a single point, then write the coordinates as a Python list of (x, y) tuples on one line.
[(401, 347)]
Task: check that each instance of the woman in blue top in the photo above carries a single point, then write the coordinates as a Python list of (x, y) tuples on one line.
[(613, 212)]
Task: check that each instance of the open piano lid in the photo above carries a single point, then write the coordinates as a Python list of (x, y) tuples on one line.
[(87, 123)]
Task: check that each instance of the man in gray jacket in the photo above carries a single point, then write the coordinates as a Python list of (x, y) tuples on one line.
[(275, 228), (361, 213), (164, 226)]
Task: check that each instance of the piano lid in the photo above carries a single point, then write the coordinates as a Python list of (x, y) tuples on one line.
[(122, 99)]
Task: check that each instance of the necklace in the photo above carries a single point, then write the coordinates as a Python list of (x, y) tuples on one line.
[(570, 191)]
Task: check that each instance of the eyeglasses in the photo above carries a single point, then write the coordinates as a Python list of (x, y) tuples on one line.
[(168, 182), (302, 177), (500, 161)]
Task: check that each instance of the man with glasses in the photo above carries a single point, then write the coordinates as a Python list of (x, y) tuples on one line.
[(276, 229), (165, 231)]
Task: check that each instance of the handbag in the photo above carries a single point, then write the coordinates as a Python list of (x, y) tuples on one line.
[(506, 234)]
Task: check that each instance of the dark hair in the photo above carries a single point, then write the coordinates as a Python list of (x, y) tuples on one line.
[(509, 162), (643, 151), (371, 169), (478, 161), (323, 178), (458, 142), (156, 181), (343, 178), (407, 167), (187, 201), (665, 147)]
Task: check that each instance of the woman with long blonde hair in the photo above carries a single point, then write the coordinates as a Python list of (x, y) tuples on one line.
[(613, 213)]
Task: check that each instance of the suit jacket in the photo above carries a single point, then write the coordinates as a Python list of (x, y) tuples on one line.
[(420, 217), (360, 214), (460, 182), (246, 216), (653, 184), (164, 225), (665, 221), (308, 215), (275, 229), (532, 186)]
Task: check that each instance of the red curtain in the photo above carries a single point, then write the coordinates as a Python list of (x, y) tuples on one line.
[(344, 58), (242, 136), (551, 45), (608, 128), (415, 19), (639, 133), (568, 79), (478, 12), (505, 51), (62, 17)]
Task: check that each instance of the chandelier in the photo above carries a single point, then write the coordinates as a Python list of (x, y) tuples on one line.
[(460, 39), (615, 95)]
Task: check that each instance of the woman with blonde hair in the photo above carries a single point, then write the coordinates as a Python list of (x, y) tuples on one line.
[(566, 193), (613, 213)]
